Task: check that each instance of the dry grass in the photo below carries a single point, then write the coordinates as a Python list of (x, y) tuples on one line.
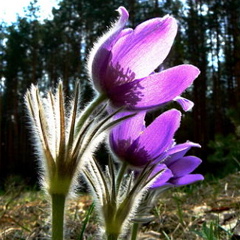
[(193, 209), (206, 208)]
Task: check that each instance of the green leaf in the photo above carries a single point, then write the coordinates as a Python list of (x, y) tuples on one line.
[(86, 220)]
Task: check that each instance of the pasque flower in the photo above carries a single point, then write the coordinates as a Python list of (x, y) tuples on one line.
[(179, 166), (132, 142), (137, 145), (122, 64)]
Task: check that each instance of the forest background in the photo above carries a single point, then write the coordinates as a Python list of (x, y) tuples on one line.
[(43, 52)]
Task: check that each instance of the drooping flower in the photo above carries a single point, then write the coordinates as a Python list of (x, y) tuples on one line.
[(122, 64), (134, 143)]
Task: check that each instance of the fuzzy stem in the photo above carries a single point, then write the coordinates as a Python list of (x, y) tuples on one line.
[(134, 233), (58, 210), (121, 175), (89, 109), (113, 224)]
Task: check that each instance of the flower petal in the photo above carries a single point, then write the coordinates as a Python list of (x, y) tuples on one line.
[(155, 139), (186, 104), (155, 89), (187, 179), (122, 135), (163, 178), (100, 54), (178, 151), (184, 165), (146, 47)]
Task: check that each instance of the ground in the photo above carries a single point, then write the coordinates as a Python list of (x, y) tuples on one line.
[(208, 210)]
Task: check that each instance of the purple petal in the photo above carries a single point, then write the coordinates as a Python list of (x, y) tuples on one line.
[(166, 85), (179, 150), (186, 104), (187, 179), (155, 89), (184, 165), (122, 135), (155, 139), (163, 178), (100, 55), (123, 18), (146, 47)]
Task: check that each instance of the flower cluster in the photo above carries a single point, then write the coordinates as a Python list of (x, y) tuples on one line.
[(122, 67), (131, 141)]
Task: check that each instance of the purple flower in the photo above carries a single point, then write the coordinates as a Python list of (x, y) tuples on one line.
[(132, 142), (179, 166), (122, 64)]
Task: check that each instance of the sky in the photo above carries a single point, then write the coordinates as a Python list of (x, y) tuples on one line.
[(10, 8)]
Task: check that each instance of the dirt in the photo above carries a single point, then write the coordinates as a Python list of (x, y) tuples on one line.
[(200, 211)]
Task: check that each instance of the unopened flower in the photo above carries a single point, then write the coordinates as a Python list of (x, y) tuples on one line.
[(62, 135), (122, 64), (54, 131), (57, 144)]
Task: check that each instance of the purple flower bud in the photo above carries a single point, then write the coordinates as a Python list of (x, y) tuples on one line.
[(122, 64)]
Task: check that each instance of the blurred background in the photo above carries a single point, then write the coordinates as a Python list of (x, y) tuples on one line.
[(43, 51)]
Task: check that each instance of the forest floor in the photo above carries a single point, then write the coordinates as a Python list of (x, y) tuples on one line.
[(207, 210)]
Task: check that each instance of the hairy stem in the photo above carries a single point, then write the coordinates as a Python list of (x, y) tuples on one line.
[(58, 210), (89, 110), (134, 233), (120, 175)]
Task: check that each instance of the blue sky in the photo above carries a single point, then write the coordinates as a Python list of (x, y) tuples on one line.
[(10, 8)]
